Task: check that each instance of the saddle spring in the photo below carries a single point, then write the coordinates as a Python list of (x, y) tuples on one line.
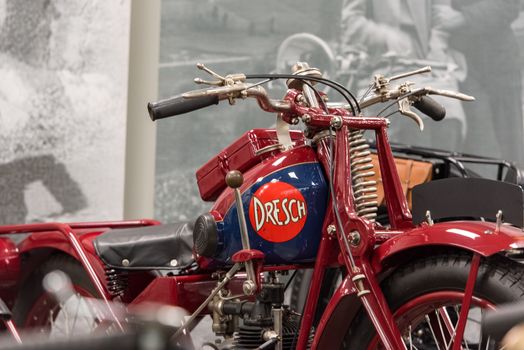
[(364, 188), (116, 280)]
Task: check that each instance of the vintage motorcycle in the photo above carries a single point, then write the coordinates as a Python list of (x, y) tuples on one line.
[(285, 200)]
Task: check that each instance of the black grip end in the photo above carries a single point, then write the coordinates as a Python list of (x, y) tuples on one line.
[(431, 108), (151, 106), (178, 105)]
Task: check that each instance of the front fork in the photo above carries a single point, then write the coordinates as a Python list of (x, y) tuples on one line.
[(342, 219), (362, 282), (361, 278), (367, 288)]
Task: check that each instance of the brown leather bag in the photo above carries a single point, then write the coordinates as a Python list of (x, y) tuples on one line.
[(411, 173)]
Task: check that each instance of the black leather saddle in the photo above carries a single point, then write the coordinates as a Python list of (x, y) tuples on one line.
[(162, 247)]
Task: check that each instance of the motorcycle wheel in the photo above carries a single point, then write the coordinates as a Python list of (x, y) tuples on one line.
[(426, 294), (38, 310)]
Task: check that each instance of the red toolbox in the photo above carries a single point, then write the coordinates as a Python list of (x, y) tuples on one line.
[(241, 155)]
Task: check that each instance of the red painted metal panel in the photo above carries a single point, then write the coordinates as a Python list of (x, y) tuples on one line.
[(187, 292), (466, 302), (479, 237), (241, 155), (298, 155)]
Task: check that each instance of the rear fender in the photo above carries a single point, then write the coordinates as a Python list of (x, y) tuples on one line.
[(38, 246), (478, 237)]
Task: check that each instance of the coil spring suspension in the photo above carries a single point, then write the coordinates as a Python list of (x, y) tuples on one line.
[(364, 189), (116, 281)]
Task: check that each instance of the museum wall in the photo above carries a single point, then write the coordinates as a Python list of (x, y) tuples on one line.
[(63, 86)]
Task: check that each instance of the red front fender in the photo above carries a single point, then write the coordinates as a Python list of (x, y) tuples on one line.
[(475, 236)]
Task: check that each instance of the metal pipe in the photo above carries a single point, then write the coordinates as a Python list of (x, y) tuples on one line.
[(12, 329), (277, 325), (229, 275)]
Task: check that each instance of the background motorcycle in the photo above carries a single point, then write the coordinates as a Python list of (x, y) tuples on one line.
[(309, 203)]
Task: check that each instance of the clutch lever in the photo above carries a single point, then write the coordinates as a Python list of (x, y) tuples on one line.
[(404, 105)]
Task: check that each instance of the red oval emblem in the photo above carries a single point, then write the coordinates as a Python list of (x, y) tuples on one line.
[(277, 211)]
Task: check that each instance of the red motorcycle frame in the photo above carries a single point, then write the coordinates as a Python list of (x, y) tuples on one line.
[(366, 249)]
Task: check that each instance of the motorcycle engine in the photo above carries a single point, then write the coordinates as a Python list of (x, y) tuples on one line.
[(250, 324)]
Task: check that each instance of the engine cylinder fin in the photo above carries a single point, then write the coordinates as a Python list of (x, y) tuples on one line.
[(250, 337)]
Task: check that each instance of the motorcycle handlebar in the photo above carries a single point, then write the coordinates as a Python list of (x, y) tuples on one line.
[(179, 105), (430, 107), (231, 90)]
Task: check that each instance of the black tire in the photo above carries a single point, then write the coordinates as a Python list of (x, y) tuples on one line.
[(300, 289), (32, 288), (499, 281)]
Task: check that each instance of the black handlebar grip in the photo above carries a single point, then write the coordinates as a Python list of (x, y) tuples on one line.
[(178, 105), (431, 108), (496, 324)]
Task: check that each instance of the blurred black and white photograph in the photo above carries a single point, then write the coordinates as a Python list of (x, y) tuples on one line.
[(472, 46), (62, 109)]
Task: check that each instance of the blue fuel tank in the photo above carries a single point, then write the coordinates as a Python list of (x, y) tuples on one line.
[(284, 200)]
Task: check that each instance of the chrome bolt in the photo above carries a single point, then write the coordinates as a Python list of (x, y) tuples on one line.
[(249, 287), (429, 219), (173, 263), (336, 122), (125, 262), (331, 230), (306, 118), (354, 238), (500, 218)]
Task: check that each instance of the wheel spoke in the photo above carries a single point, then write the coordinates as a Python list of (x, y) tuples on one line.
[(437, 342), (433, 321), (66, 316), (444, 316), (76, 311), (411, 345)]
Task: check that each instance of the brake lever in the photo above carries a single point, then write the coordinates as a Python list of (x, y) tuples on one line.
[(228, 80), (221, 92), (404, 105), (447, 93)]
